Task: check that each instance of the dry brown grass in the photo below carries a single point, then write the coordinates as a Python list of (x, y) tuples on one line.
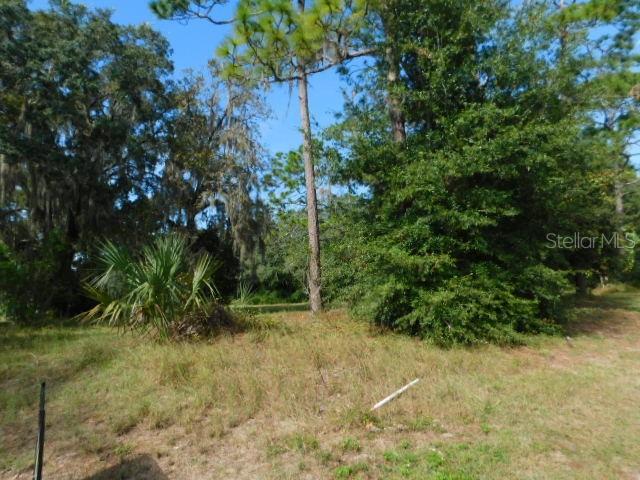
[(290, 399)]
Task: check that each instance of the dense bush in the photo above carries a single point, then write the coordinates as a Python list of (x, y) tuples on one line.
[(12, 304), (451, 243), (465, 260), (35, 281)]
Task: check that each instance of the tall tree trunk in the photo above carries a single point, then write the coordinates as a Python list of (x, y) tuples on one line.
[(390, 26), (618, 193), (394, 104), (564, 33), (3, 180), (315, 297)]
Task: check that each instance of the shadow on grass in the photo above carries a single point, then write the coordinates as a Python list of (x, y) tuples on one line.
[(624, 301), (28, 338), (141, 467), (55, 355), (612, 314)]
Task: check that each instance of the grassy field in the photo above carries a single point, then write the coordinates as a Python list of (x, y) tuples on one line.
[(290, 399)]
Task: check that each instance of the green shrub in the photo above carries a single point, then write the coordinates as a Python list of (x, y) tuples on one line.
[(488, 305), (350, 444), (11, 279), (160, 291), (468, 310), (37, 282), (453, 243)]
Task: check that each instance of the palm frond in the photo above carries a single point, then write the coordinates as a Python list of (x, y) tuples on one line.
[(151, 292)]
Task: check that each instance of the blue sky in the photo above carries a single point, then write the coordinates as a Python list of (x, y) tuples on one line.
[(195, 43)]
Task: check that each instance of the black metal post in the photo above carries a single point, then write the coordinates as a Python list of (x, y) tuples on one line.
[(37, 472)]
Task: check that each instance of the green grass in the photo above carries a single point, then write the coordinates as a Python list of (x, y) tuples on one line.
[(442, 461), (290, 396), (351, 471), (615, 296), (350, 444)]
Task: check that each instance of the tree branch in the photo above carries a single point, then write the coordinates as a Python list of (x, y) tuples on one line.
[(348, 56), (206, 16)]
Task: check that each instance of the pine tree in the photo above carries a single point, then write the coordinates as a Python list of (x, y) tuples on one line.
[(287, 41)]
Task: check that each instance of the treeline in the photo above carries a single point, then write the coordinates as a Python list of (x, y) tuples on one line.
[(99, 142), (472, 135)]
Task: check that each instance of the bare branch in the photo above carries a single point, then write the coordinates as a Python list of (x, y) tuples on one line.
[(323, 67), (208, 17)]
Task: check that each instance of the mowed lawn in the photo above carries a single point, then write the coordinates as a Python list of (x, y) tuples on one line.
[(290, 399)]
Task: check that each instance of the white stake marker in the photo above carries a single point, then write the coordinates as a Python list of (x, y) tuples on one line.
[(395, 394)]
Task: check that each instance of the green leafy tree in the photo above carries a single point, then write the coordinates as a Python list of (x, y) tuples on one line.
[(97, 141), (453, 244), (210, 180), (83, 104), (602, 35)]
